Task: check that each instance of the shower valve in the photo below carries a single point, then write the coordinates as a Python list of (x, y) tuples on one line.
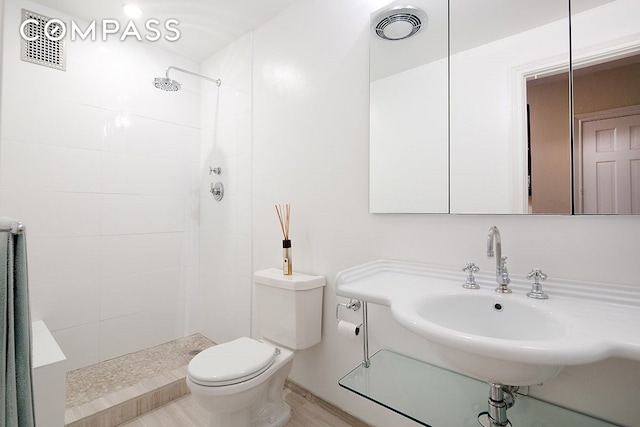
[(217, 190)]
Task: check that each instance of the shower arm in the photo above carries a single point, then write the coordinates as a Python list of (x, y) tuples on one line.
[(216, 81)]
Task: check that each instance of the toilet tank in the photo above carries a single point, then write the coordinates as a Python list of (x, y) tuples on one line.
[(289, 308)]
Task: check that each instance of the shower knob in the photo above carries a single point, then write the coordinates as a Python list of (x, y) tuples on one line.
[(217, 190)]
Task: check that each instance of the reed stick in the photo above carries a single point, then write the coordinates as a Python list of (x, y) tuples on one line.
[(284, 216)]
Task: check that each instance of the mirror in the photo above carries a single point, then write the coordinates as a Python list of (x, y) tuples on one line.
[(408, 148), (496, 46), (511, 121)]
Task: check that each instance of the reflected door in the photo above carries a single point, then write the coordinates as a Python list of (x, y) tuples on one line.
[(611, 165)]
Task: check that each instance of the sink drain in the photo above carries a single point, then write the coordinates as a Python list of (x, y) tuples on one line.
[(498, 307)]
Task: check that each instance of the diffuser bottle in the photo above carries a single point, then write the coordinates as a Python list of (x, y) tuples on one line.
[(287, 265), (284, 216)]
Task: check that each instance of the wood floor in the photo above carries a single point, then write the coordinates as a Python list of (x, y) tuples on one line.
[(185, 412)]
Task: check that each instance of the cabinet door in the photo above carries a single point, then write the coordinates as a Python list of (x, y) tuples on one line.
[(606, 88), (496, 47), (409, 125)]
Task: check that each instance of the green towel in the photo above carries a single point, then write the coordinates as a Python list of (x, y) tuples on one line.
[(16, 389)]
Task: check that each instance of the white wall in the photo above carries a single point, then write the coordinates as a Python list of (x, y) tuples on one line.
[(409, 141), (101, 167), (311, 121), (221, 306)]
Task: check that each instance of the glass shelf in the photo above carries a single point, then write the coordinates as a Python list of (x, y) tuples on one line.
[(435, 397)]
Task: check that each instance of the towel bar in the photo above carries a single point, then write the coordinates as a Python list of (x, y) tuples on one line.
[(16, 228)]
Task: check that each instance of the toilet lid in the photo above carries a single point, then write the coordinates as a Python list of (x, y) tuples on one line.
[(231, 363)]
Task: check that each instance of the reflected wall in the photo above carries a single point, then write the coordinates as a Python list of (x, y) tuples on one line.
[(409, 122)]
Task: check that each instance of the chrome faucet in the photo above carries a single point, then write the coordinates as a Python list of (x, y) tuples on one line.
[(502, 275)]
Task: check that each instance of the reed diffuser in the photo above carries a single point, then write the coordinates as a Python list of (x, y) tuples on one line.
[(284, 215)]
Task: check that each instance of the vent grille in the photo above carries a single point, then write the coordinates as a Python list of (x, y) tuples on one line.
[(409, 18), (43, 50)]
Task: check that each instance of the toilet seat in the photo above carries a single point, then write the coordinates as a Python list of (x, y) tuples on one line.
[(231, 363)]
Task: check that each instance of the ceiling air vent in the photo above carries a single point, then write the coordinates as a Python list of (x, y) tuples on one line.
[(399, 22), (40, 49)]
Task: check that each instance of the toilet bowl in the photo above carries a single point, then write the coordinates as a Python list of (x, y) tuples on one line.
[(240, 382)]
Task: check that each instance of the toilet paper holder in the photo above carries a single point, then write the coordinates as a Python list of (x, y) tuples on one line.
[(355, 305)]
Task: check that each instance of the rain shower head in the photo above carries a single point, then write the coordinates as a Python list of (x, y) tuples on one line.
[(169, 85), (166, 84)]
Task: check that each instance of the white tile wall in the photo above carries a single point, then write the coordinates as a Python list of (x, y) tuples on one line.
[(29, 167), (102, 168), (57, 261), (126, 334), (55, 214), (222, 303), (81, 344), (127, 294), (67, 305), (136, 253)]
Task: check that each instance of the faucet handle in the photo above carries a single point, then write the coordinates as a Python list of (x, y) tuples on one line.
[(471, 268), (536, 290), (471, 281), (536, 274)]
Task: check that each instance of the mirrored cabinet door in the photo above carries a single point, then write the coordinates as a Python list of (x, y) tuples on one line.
[(500, 52), (606, 93), (409, 161)]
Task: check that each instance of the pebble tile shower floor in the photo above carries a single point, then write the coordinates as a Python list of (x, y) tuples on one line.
[(91, 382)]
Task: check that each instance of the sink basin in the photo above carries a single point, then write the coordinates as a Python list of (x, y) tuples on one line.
[(476, 331), (492, 316), (502, 338)]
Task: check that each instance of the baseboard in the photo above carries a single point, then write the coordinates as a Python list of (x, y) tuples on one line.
[(329, 407)]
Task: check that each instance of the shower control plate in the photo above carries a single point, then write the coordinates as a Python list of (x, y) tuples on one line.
[(217, 190)]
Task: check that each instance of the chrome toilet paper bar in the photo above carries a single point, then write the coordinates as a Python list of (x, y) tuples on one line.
[(355, 305)]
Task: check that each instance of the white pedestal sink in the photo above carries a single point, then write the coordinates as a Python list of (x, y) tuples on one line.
[(502, 338)]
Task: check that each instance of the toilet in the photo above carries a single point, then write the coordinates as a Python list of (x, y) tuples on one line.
[(240, 382)]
